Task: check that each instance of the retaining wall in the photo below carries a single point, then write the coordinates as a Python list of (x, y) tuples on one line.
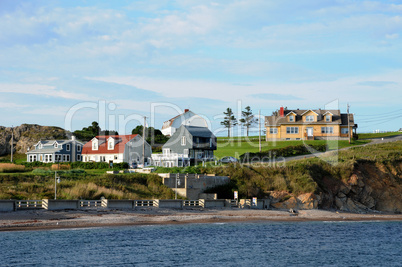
[(216, 203), (7, 205), (169, 203), (56, 204), (118, 203)]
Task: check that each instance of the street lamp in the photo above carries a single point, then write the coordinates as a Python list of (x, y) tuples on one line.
[(56, 181)]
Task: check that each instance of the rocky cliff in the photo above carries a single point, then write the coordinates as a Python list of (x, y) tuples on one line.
[(26, 135), (373, 186)]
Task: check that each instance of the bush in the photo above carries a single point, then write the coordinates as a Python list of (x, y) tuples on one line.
[(10, 167)]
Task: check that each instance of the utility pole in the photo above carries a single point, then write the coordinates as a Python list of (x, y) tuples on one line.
[(143, 143), (348, 124), (12, 142), (259, 129)]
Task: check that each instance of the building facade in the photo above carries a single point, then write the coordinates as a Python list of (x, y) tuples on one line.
[(117, 149), (309, 125), (53, 151), (189, 145)]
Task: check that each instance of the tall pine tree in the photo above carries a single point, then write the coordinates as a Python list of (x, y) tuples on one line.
[(248, 119), (229, 120)]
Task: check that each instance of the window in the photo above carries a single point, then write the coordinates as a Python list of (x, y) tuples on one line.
[(327, 130), (50, 157), (166, 151), (344, 130), (291, 118), (110, 145), (79, 157), (310, 118), (68, 147), (95, 145), (115, 156), (328, 118), (183, 140), (292, 130), (185, 152), (64, 157), (273, 130), (78, 148), (56, 145)]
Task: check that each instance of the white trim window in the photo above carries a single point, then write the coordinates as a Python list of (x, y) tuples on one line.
[(310, 118), (95, 145), (78, 148), (291, 118), (64, 157), (273, 130), (183, 140), (68, 147), (56, 145), (78, 157), (166, 151), (328, 118), (327, 130), (292, 130), (185, 152), (68, 157)]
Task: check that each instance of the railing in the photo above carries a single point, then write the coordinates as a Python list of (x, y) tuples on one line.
[(193, 203), (143, 203), (28, 204), (90, 203)]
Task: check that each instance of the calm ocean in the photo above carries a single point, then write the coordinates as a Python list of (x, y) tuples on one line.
[(226, 244)]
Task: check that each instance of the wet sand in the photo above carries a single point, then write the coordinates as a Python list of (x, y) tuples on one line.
[(47, 220)]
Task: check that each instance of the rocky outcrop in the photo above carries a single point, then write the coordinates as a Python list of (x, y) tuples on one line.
[(373, 186), (26, 135)]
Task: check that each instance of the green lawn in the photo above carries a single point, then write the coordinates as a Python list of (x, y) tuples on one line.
[(377, 135), (235, 147)]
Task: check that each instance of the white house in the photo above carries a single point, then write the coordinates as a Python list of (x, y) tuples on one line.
[(116, 149), (187, 118)]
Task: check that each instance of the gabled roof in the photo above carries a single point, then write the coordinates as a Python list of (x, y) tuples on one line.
[(199, 131), (169, 123), (291, 112), (121, 141), (278, 120)]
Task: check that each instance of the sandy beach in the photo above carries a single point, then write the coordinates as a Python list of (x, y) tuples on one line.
[(44, 219)]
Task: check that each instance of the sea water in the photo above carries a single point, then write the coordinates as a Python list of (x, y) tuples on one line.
[(222, 244)]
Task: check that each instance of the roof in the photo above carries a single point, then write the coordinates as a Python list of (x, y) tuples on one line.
[(337, 117), (121, 141), (169, 123), (199, 131)]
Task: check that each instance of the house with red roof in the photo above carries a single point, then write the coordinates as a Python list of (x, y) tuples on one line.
[(117, 149)]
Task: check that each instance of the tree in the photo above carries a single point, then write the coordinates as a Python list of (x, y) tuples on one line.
[(87, 133), (229, 120), (248, 119), (152, 135)]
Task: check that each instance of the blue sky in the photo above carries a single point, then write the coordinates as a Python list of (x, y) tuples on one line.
[(61, 61)]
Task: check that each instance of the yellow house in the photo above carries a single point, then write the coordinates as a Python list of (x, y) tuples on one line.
[(309, 125)]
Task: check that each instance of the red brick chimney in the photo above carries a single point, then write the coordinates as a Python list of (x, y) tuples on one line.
[(281, 112), (186, 110)]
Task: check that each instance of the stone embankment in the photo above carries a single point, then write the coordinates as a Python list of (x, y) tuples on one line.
[(371, 187), (26, 135)]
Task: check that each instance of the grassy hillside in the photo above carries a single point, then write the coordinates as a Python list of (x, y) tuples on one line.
[(236, 146), (378, 135)]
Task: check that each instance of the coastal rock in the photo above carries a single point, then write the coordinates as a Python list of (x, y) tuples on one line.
[(307, 201), (26, 135), (291, 203)]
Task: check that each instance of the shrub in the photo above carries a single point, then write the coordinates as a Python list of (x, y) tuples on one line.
[(11, 167)]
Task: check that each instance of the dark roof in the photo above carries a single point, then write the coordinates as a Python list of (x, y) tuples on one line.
[(337, 117), (199, 131)]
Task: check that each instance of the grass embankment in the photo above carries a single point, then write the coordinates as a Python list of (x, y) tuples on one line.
[(80, 184), (378, 135), (237, 146), (308, 175)]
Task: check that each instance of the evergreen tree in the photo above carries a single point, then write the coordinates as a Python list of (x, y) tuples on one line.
[(229, 120), (248, 119)]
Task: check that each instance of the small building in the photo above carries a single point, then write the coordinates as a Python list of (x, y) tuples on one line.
[(309, 125), (117, 149), (48, 151), (189, 145), (188, 118)]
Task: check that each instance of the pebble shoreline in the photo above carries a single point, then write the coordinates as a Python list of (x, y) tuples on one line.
[(47, 220)]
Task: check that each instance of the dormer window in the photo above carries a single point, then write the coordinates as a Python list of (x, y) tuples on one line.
[(310, 118), (95, 144), (110, 144), (291, 118), (56, 145), (328, 118)]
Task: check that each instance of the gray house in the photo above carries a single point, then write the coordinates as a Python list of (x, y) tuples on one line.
[(189, 145), (56, 151)]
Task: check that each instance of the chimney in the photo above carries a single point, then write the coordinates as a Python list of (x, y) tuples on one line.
[(281, 112), (186, 110)]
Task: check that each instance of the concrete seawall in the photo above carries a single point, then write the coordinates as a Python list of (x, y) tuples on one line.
[(60, 204), (7, 205)]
